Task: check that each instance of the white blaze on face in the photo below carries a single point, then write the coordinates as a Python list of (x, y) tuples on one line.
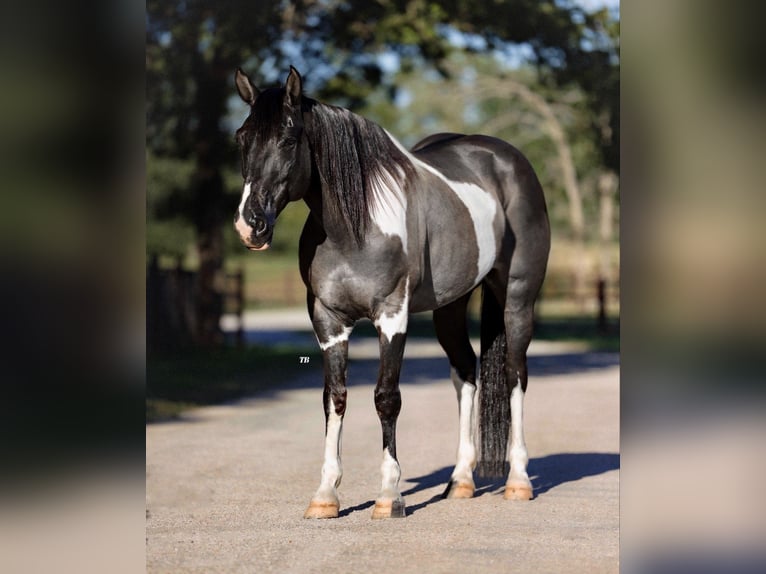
[(241, 225)]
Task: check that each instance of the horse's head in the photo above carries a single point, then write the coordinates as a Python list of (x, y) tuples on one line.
[(276, 162)]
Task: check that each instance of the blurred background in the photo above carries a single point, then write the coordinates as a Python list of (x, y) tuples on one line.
[(541, 75), (118, 157)]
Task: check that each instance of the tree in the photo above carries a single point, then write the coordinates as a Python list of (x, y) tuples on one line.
[(192, 49)]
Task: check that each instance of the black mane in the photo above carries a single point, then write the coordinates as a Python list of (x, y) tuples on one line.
[(352, 154)]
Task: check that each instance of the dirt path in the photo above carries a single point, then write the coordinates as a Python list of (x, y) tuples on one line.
[(227, 486)]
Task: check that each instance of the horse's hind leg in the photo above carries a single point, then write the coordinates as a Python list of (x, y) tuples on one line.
[(519, 333), (524, 281), (452, 333)]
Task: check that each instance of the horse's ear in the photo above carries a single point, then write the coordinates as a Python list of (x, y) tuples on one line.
[(293, 87), (247, 91)]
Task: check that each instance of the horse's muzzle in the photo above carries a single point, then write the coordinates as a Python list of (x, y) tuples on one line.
[(255, 234)]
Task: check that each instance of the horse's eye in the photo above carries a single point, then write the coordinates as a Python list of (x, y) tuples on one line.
[(289, 141)]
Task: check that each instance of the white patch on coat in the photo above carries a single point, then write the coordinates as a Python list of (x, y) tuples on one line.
[(334, 340), (481, 205), (244, 230), (390, 207), (482, 208), (395, 323)]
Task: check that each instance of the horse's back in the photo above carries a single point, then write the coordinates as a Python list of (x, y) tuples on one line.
[(489, 162), (435, 138)]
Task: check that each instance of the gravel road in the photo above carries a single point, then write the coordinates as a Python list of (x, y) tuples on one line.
[(226, 486)]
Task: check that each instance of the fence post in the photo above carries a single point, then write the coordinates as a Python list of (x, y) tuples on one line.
[(239, 305), (601, 287)]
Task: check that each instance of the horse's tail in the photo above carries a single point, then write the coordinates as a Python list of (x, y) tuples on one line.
[(494, 400)]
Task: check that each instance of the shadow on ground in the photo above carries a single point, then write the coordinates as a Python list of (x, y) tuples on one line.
[(429, 370), (435, 369), (546, 473), (213, 388)]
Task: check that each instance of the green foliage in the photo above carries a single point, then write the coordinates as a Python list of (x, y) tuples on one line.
[(168, 179), (171, 237), (168, 232)]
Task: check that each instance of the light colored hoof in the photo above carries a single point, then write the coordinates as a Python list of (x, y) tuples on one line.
[(518, 491), (388, 509), (460, 490), (321, 510)]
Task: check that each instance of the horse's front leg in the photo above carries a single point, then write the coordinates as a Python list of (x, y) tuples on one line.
[(392, 332), (333, 340)]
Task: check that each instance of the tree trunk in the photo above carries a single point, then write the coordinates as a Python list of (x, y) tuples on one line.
[(209, 302), (210, 104), (607, 186)]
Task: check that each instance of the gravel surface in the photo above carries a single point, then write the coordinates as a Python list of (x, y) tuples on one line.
[(226, 486)]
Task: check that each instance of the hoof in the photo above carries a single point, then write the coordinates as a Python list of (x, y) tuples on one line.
[(321, 510), (518, 491), (388, 509), (459, 490)]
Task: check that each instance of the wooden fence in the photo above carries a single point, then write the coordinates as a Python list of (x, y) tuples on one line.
[(172, 314)]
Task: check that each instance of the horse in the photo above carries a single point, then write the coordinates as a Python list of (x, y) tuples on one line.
[(390, 232)]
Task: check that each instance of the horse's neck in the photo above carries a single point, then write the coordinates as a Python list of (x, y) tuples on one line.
[(318, 197), (318, 201), (347, 185)]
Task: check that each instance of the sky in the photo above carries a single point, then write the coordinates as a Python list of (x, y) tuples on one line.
[(591, 5)]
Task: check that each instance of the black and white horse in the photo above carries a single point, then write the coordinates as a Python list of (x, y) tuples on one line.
[(391, 232)]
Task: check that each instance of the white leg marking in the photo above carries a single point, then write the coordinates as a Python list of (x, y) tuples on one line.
[(395, 323), (334, 340), (518, 450), (391, 475), (332, 471), (243, 228), (466, 450)]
